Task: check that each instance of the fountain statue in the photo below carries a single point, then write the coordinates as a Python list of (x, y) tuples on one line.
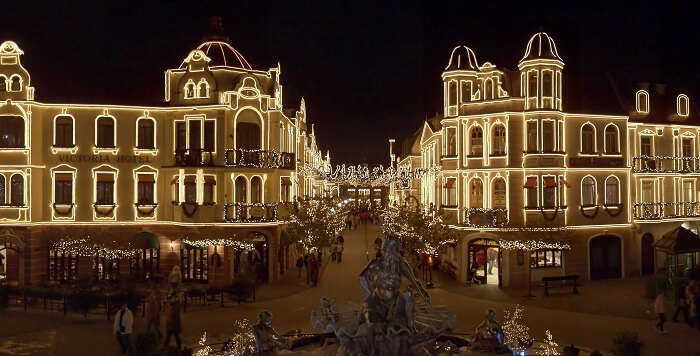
[(389, 321), (488, 335), (267, 340)]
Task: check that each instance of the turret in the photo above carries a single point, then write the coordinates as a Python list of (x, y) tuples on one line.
[(541, 74)]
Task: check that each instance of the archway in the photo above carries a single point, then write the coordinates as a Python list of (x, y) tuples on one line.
[(252, 258), (484, 261), (605, 253), (647, 254), (11, 257)]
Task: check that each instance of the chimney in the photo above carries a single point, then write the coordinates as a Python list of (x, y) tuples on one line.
[(660, 89)]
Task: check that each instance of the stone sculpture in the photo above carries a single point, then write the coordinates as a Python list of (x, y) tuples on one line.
[(267, 340)]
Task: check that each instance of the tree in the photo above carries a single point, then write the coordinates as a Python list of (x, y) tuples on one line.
[(516, 332), (316, 223), (549, 347), (422, 230)]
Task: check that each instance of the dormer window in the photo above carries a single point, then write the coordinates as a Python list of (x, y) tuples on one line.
[(3, 83), (203, 88), (189, 89), (643, 101), (15, 83), (682, 105)]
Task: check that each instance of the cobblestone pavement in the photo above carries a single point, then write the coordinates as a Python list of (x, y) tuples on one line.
[(36, 333)]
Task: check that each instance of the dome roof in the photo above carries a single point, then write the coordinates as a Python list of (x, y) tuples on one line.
[(223, 54), (462, 58), (541, 46)]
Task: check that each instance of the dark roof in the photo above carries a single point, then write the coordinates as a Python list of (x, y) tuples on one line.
[(462, 58), (541, 46), (678, 240)]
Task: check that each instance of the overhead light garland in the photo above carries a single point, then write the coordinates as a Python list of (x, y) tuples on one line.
[(363, 175), (87, 247), (225, 242), (532, 245)]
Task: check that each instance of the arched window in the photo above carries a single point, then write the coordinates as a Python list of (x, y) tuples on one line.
[(248, 135), (588, 193), (587, 138), (452, 93), (682, 105), (146, 134), (15, 83), (642, 101), (466, 91), (189, 89), (2, 189), (476, 194), (612, 143), (203, 88), (488, 89), (11, 132), (612, 191), (256, 190), (241, 190), (3, 83), (476, 143), (63, 131), (105, 132), (17, 190), (499, 194), (547, 83), (499, 140)]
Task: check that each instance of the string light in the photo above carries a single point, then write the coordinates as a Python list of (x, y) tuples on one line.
[(226, 242), (363, 175), (204, 349), (516, 333), (532, 245), (419, 230), (88, 247), (549, 347)]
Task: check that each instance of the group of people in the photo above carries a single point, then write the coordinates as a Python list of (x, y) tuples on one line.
[(687, 305), (124, 318), (311, 263), (337, 249), (361, 217)]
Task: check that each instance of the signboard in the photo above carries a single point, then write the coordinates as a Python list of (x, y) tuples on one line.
[(104, 158)]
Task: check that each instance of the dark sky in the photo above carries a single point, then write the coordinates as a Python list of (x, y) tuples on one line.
[(368, 70)]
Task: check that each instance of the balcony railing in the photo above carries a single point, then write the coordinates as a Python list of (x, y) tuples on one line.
[(665, 164), (251, 212), (656, 211), (239, 157), (478, 217), (193, 157)]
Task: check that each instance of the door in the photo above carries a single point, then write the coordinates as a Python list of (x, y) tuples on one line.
[(605, 257), (647, 254)]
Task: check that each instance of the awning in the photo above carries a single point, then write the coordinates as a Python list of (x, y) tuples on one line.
[(146, 240), (286, 181), (531, 182), (564, 182), (678, 240), (550, 182), (63, 177), (209, 180), (146, 178), (450, 183), (105, 177)]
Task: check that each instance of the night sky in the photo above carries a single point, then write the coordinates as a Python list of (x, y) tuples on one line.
[(368, 70)]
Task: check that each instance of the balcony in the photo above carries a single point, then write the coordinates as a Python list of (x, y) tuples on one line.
[(239, 157), (478, 217), (251, 212), (657, 211), (665, 164), (193, 157), (596, 162)]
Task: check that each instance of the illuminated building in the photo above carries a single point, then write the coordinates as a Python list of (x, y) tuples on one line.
[(514, 159), (218, 161)]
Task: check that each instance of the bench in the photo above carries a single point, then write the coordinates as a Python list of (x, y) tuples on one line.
[(548, 280)]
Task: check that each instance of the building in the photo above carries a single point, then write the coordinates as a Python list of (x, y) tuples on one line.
[(517, 156), (218, 161)]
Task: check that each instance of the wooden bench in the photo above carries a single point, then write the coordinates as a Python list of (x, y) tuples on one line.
[(548, 280)]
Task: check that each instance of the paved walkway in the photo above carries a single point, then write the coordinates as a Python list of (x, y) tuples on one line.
[(52, 334)]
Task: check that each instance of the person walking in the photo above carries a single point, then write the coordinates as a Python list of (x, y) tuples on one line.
[(173, 325), (300, 265), (307, 266), (334, 250), (175, 277), (153, 310), (492, 259), (660, 310), (123, 326), (682, 305), (313, 269), (339, 251)]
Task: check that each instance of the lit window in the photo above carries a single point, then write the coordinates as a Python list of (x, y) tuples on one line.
[(532, 136), (476, 143), (682, 105), (588, 193), (105, 132), (194, 264), (145, 264), (11, 132), (189, 89), (450, 192), (15, 83), (588, 139), (476, 194), (63, 131), (611, 140), (499, 194), (642, 101), (545, 258), (499, 140), (203, 88), (146, 134), (62, 266), (612, 191)]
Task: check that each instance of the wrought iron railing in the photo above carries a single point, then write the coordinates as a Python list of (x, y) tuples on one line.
[(239, 157), (665, 164), (251, 212), (478, 217), (193, 157), (665, 210)]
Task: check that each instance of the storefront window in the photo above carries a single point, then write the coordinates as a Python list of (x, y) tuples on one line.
[(194, 265), (545, 258), (145, 264), (105, 267), (62, 266)]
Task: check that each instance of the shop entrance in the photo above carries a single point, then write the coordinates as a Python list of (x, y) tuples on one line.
[(605, 257), (484, 262)]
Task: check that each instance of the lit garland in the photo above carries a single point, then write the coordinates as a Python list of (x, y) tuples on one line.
[(87, 247), (241, 212), (516, 333), (549, 347), (687, 164), (243, 340), (259, 158), (532, 245), (225, 242), (204, 348), (496, 217), (363, 175)]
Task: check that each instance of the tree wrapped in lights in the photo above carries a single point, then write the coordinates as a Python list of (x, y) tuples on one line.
[(516, 333), (549, 347), (316, 223), (243, 340), (419, 230)]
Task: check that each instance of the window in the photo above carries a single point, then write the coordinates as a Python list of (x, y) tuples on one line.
[(105, 189), (476, 143), (587, 139), (612, 144), (3, 83), (532, 83), (209, 189), (17, 190), (209, 136), (190, 189), (256, 190), (105, 267), (646, 148), (105, 132), (286, 189), (588, 192), (203, 88), (687, 147), (11, 132), (476, 194), (612, 191), (450, 192), (451, 141), (63, 188), (2, 189), (531, 191), (241, 193), (545, 258), (499, 140), (547, 83), (146, 135), (145, 189), (194, 264), (63, 266), (688, 194), (145, 264), (549, 191), (532, 136), (189, 89), (466, 91), (15, 83), (180, 136), (499, 194), (248, 136), (452, 93), (547, 136), (63, 131), (682, 106), (648, 191), (488, 89), (642, 101)]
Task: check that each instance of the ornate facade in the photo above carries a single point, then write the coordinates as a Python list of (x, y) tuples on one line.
[(219, 160), (513, 159)]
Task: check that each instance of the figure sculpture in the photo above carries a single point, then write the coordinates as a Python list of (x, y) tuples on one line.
[(488, 335), (267, 340)]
